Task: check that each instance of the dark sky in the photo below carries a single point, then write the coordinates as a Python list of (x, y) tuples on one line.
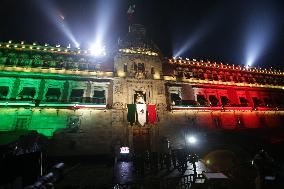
[(220, 30)]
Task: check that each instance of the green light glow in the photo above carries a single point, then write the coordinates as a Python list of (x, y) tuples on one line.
[(45, 122)]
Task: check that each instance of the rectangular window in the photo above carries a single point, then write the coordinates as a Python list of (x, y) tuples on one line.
[(201, 100), (213, 100), (76, 95), (52, 94), (99, 97), (243, 101), (256, 101), (3, 92), (27, 93), (176, 100), (224, 100)]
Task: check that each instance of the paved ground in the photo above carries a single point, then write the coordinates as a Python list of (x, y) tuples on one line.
[(125, 172), (87, 176), (235, 156), (92, 175)]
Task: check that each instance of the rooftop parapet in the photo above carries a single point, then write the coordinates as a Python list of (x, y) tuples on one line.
[(221, 66)]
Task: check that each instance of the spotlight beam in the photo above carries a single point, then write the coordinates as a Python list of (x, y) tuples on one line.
[(103, 17), (260, 30), (207, 25), (57, 18)]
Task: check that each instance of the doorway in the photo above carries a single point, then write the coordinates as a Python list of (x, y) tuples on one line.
[(141, 140)]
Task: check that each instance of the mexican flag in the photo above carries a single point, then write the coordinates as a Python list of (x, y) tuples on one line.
[(141, 114), (131, 113), (152, 113)]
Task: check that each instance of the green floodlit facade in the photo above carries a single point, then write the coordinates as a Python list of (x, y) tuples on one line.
[(43, 125), (33, 63), (79, 101)]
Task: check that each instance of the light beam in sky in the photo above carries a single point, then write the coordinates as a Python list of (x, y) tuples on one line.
[(57, 18), (192, 40), (260, 31), (103, 16), (207, 25)]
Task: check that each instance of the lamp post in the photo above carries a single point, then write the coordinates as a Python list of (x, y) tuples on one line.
[(191, 142)]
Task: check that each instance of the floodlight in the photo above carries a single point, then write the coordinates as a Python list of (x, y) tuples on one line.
[(192, 139), (97, 50)]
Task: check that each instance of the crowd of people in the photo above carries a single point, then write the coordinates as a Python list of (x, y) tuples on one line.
[(267, 170), (154, 161)]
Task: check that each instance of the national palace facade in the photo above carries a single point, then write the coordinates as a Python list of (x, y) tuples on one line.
[(83, 103)]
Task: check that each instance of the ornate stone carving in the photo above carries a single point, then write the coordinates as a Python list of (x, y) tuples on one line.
[(116, 117), (73, 123), (118, 105), (117, 87), (160, 89), (161, 107)]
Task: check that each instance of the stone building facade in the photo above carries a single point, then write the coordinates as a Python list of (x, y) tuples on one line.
[(80, 102)]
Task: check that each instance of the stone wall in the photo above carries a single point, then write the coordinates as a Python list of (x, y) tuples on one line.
[(176, 124), (91, 132)]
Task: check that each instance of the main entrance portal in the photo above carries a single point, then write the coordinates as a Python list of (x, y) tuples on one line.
[(141, 140)]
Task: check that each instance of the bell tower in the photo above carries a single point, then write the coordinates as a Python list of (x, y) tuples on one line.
[(138, 57), (138, 70)]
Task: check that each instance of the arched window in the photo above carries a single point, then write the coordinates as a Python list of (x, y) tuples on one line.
[(152, 70), (140, 67), (125, 68)]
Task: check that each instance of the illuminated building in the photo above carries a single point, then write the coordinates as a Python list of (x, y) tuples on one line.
[(80, 101)]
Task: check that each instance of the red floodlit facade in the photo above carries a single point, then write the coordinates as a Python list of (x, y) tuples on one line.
[(226, 87)]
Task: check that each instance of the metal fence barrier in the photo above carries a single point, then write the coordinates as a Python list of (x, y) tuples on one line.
[(180, 182)]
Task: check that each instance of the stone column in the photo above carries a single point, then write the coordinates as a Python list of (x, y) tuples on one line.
[(41, 89), (15, 89), (66, 91)]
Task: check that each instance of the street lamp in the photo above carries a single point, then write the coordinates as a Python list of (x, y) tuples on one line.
[(192, 139)]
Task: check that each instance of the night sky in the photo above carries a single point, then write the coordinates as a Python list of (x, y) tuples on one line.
[(217, 30)]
